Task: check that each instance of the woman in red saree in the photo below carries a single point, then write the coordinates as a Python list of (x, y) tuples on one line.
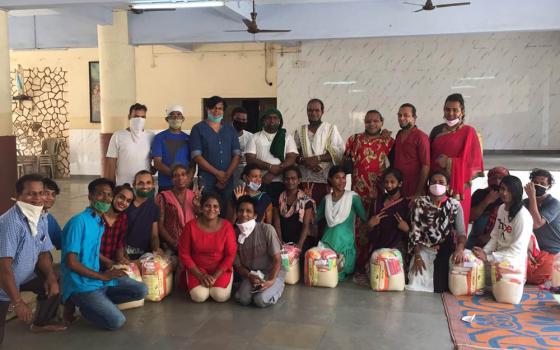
[(369, 152), (456, 149)]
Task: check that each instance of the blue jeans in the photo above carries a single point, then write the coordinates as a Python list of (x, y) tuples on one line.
[(98, 306)]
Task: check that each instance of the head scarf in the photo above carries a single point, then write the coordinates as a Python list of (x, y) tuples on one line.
[(494, 173), (278, 145)]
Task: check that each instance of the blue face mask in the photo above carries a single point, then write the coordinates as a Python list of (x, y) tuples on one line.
[(213, 119), (253, 186)]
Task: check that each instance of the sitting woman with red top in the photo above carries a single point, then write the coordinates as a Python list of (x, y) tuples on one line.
[(177, 206), (207, 249)]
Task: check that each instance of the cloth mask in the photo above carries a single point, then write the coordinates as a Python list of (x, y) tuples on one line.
[(175, 123), (540, 190), (213, 119), (101, 207), (438, 190), (393, 191), (406, 127), (32, 213), (245, 230), (145, 194), (136, 128), (253, 186), (239, 125), (452, 123)]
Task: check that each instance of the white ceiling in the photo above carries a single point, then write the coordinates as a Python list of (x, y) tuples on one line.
[(308, 20)]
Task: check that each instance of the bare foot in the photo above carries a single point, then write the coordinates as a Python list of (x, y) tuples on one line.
[(48, 328)]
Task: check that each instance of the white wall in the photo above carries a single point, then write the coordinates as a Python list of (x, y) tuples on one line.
[(511, 83)]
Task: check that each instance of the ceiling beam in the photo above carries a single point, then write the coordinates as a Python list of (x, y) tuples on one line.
[(236, 10), (42, 4)]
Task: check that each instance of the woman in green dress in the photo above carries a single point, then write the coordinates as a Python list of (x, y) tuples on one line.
[(339, 209)]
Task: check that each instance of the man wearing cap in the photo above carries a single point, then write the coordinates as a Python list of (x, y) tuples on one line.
[(170, 147), (484, 208), (272, 150), (129, 149)]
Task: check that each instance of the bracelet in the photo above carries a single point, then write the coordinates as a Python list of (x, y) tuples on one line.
[(319, 159), (17, 304), (269, 166)]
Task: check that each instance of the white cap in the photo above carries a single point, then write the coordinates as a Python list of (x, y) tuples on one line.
[(174, 108)]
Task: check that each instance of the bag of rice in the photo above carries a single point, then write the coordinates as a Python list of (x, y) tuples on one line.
[(386, 270), (320, 268), (424, 281), (507, 282), (157, 274), (466, 278), (290, 261)]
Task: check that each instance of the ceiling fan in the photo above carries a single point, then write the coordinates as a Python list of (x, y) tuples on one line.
[(428, 6), (253, 28)]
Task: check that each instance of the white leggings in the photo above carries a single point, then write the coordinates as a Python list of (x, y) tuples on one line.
[(200, 293)]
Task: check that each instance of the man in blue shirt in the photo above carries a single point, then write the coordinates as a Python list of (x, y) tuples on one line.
[(215, 148), (84, 286), (25, 260), (170, 147), (51, 191)]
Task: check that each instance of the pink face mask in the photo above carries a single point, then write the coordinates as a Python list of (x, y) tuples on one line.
[(452, 123), (438, 190)]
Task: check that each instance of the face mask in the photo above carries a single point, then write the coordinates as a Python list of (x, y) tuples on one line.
[(406, 127), (175, 123), (145, 194), (540, 190), (452, 123), (438, 190), (32, 213), (136, 124), (101, 207), (213, 119), (246, 229), (239, 125), (393, 191), (253, 186)]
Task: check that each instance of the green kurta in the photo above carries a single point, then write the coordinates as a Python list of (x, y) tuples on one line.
[(340, 238)]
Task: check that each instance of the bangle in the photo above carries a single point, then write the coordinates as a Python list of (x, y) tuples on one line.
[(18, 304), (269, 166), (319, 159)]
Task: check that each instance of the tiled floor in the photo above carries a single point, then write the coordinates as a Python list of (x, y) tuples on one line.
[(347, 317)]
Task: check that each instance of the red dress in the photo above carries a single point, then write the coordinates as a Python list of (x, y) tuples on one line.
[(411, 154), (462, 147), (369, 157), (208, 251)]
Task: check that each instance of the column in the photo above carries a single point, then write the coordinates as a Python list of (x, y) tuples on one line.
[(117, 77), (8, 154)]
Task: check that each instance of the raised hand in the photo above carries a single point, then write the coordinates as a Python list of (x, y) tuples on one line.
[(239, 191), (402, 224), (308, 188)]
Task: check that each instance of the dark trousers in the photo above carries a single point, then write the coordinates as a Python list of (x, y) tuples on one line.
[(46, 307), (441, 266)]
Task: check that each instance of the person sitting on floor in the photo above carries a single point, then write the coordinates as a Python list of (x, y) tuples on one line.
[(84, 286), (389, 224), (512, 231), (25, 260), (177, 207), (252, 181), (484, 208), (340, 208), (51, 191), (116, 223), (434, 220), (258, 258), (545, 211), (143, 217), (207, 250), (295, 212)]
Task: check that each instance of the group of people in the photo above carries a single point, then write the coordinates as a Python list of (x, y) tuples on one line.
[(256, 192)]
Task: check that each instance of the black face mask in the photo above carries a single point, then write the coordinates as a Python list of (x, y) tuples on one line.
[(540, 190), (393, 191), (406, 127), (239, 125), (495, 187)]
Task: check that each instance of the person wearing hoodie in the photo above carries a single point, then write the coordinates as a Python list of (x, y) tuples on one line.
[(129, 149)]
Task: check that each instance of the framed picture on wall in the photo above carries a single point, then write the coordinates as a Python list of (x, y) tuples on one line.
[(94, 93)]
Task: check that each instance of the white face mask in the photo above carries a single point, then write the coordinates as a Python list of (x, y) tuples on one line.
[(32, 213), (136, 124), (253, 186), (438, 190), (452, 123), (246, 229)]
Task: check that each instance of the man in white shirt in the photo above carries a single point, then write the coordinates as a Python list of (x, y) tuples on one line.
[(320, 146), (129, 149), (272, 150), (239, 121)]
